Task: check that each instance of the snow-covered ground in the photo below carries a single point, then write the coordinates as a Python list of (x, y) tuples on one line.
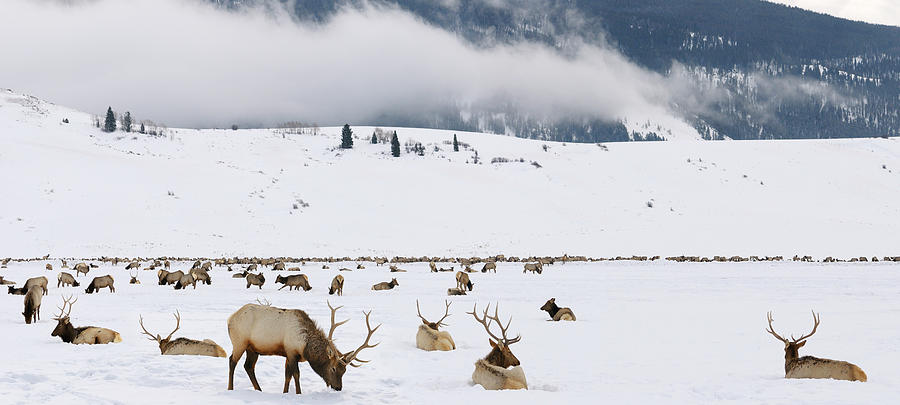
[(71, 190), (646, 333)]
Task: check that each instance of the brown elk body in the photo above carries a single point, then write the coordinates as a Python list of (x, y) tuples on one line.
[(186, 280), (255, 279), (33, 304), (429, 338), (134, 279), (167, 278), (264, 330), (500, 369), (488, 267), (386, 285), (337, 285), (296, 281), (456, 291), (49, 267), (557, 313), (534, 267), (201, 275), (463, 282), (813, 367), (83, 335), (184, 346), (6, 282), (82, 268), (65, 279), (101, 282)]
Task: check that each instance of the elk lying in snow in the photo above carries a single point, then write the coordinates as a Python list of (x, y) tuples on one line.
[(429, 338), (557, 313), (296, 281), (255, 279), (463, 282), (489, 266), (359, 266), (242, 274), (82, 268), (167, 278), (534, 267), (101, 282), (33, 304), (134, 279), (386, 285), (456, 291), (278, 267), (184, 346), (16, 291), (6, 282), (493, 372), (337, 285), (83, 335), (65, 279), (268, 331), (49, 267), (395, 269), (813, 367), (201, 275)]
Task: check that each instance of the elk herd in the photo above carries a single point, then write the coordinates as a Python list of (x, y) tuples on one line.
[(262, 329)]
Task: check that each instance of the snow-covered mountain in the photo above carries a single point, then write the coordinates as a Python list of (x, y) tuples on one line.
[(72, 190)]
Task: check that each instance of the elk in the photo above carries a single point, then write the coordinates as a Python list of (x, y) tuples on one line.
[(268, 331), (33, 304), (83, 335), (813, 367), (359, 266), (166, 264), (429, 338), (456, 291), (64, 264), (463, 282), (337, 285), (16, 291), (201, 275), (49, 267), (251, 267), (386, 285), (6, 282), (134, 279), (167, 278), (296, 281), (186, 280), (433, 267), (489, 266), (101, 282), (557, 313), (395, 269), (534, 268), (278, 266), (380, 261), (183, 346), (40, 281), (255, 279), (493, 372), (82, 268), (133, 265), (65, 279)]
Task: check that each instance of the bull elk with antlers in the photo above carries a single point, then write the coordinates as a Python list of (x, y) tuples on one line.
[(813, 367), (429, 338), (83, 335), (270, 331), (493, 372), (183, 346)]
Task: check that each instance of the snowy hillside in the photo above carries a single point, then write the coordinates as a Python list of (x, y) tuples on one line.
[(72, 190)]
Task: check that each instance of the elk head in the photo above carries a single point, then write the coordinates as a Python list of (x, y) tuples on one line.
[(434, 325), (63, 326), (500, 354), (792, 347), (158, 339), (335, 364)]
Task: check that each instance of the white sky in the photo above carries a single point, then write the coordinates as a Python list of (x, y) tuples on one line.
[(873, 11)]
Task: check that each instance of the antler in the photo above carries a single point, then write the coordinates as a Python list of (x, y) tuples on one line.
[(334, 325), (440, 321), (146, 332), (815, 326), (350, 357), (62, 310), (772, 330), (177, 324), (486, 321)]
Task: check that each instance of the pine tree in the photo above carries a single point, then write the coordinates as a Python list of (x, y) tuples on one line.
[(455, 144), (395, 145), (110, 124), (374, 138), (126, 122), (142, 128), (346, 137)]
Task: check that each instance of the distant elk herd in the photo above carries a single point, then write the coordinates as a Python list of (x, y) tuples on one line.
[(262, 329)]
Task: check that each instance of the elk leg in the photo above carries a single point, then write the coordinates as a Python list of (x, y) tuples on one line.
[(250, 367), (288, 373), (297, 375), (232, 363)]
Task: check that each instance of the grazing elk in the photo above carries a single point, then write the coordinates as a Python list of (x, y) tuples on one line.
[(488, 267), (255, 279), (429, 338), (813, 367), (557, 313), (386, 285), (40, 281), (186, 280), (83, 335), (65, 279), (33, 304), (296, 281), (134, 279), (268, 331), (49, 267), (82, 268), (534, 268), (101, 282), (167, 278), (493, 372), (201, 275), (337, 285), (184, 346), (133, 265), (463, 282)]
